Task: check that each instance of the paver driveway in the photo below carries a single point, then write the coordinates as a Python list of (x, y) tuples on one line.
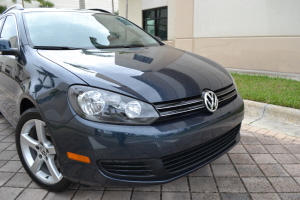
[(264, 165)]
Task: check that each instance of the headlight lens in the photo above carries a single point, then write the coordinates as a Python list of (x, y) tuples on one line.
[(108, 107)]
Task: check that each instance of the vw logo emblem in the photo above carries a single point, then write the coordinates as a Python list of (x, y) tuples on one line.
[(211, 101)]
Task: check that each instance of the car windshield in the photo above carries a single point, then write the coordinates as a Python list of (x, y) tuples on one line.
[(84, 30)]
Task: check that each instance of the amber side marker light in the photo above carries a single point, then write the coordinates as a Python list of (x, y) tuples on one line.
[(80, 158)]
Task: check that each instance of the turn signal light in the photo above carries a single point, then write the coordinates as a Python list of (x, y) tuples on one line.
[(78, 157)]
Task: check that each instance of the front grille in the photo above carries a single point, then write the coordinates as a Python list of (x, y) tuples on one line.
[(165, 168), (199, 155), (126, 168), (191, 105)]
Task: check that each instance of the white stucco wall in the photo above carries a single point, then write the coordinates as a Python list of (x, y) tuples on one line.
[(149, 4), (234, 18)]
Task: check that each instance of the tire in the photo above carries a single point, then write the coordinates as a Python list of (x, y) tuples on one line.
[(37, 152)]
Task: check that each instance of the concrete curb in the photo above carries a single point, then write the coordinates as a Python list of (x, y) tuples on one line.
[(272, 117)]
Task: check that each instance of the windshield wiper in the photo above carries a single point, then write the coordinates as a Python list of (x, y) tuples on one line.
[(55, 48), (120, 46)]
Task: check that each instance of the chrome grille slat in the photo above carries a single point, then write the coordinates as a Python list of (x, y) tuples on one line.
[(193, 104)]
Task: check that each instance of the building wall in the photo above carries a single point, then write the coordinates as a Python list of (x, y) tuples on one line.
[(248, 34), (73, 4)]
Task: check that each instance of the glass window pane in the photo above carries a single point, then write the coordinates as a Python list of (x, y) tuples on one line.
[(162, 13), (150, 27), (9, 31), (162, 26), (149, 14)]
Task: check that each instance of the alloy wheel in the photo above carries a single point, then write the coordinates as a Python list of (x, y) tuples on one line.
[(39, 152)]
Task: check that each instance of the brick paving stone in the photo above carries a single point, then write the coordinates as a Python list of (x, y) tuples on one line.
[(4, 126), (248, 170), (88, 195), (297, 155), (268, 140), (175, 196), (287, 140), (116, 195), (204, 171), (255, 148), (241, 159), (12, 147), (258, 184), (263, 159), (11, 166), (224, 170), (10, 138), (272, 133), (284, 184), (265, 196), (222, 160), (297, 141), (292, 169), (286, 158), (262, 131), (203, 184), (2, 162), (235, 196), (32, 194), (115, 188), (19, 180), (179, 185), (297, 180), (7, 155), (16, 157), (249, 140), (293, 148), (155, 188), (276, 149), (273, 170), (230, 184), (4, 145), (65, 195), (34, 185), (7, 131), (205, 196), (8, 193), (2, 137), (145, 195), (289, 196), (238, 149), (254, 129), (84, 187), (4, 177)]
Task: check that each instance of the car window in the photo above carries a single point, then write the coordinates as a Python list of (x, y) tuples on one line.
[(9, 31), (84, 30)]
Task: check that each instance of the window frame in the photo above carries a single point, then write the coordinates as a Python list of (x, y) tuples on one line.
[(155, 19)]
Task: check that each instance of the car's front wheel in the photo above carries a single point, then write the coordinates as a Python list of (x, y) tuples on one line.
[(37, 152)]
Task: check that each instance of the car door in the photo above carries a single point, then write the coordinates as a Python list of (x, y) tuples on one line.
[(9, 70)]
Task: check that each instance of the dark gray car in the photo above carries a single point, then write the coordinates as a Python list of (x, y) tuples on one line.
[(98, 101)]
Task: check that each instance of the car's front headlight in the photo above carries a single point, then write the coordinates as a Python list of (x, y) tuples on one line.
[(108, 107)]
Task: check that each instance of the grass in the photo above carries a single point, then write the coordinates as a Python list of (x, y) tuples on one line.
[(272, 90)]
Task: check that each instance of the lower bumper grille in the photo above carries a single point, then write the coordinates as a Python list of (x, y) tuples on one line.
[(158, 169), (199, 155)]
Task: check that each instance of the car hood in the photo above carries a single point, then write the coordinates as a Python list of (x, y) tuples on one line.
[(152, 74)]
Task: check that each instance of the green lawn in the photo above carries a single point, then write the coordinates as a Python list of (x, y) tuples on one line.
[(277, 91)]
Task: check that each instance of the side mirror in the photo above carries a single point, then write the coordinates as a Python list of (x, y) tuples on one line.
[(5, 48)]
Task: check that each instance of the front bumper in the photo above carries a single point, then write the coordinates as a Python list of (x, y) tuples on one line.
[(145, 155)]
